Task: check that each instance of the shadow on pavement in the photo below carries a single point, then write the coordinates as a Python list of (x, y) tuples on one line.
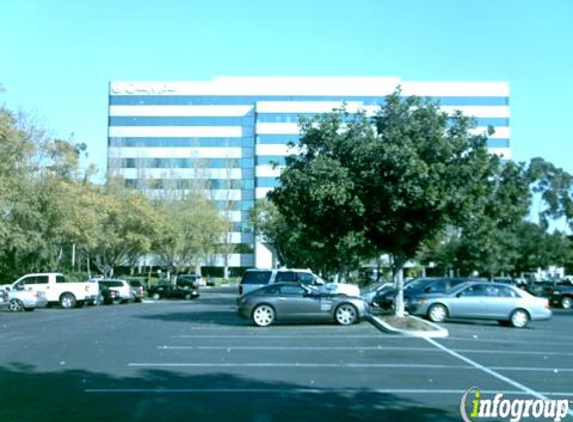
[(31, 395)]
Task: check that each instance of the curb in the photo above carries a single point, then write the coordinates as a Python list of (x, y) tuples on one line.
[(438, 331)]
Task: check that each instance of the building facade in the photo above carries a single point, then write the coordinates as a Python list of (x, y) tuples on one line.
[(229, 131)]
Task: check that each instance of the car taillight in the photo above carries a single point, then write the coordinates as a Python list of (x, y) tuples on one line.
[(547, 305)]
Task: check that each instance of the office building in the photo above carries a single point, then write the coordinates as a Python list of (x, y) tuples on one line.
[(229, 131)]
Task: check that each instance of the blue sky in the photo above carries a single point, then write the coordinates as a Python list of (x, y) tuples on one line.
[(57, 57)]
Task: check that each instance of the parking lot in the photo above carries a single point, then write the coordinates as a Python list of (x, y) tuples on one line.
[(196, 360)]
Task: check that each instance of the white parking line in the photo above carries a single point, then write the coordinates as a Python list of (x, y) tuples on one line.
[(495, 374), (374, 348), (486, 340), (298, 391), (472, 365), (287, 336), (295, 365)]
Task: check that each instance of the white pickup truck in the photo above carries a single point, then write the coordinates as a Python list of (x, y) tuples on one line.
[(57, 290)]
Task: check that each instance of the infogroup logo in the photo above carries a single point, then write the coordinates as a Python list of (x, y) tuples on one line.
[(473, 407)]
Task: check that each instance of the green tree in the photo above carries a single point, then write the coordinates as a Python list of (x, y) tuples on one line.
[(357, 191), (190, 232), (318, 197)]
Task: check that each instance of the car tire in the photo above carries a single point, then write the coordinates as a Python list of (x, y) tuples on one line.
[(187, 296), (346, 314), (519, 318), (155, 296), (567, 302), (263, 315), (437, 313), (67, 301), (16, 306)]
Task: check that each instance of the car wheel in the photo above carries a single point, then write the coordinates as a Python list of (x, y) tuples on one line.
[(519, 318), (67, 301), (16, 306), (263, 315), (187, 296), (437, 313), (346, 314), (156, 296), (567, 302)]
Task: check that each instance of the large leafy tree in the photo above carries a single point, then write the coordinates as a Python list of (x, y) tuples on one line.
[(426, 170), (319, 197), (191, 230), (358, 187)]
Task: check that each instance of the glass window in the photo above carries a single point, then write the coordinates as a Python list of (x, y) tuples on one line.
[(271, 290), (437, 286), (27, 280), (479, 290), (498, 143), (256, 277), (492, 121), (44, 279), (291, 290), (502, 291), (268, 182), (277, 139), (286, 276), (271, 160), (306, 278), (176, 121)]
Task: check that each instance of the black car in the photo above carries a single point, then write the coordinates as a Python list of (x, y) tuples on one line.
[(416, 287), (562, 295), (170, 291)]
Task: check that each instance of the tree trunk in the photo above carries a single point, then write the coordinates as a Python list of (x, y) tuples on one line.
[(398, 278)]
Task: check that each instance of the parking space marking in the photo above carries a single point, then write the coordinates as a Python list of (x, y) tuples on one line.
[(298, 391), (493, 373), (374, 348), (483, 339), (295, 365), (472, 365), (267, 336)]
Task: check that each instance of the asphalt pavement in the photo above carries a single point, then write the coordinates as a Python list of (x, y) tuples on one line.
[(197, 360)]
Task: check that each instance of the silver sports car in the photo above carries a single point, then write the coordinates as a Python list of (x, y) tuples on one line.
[(482, 300), (298, 302)]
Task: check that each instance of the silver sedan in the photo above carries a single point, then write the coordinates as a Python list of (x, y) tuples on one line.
[(26, 300), (482, 300), (297, 302)]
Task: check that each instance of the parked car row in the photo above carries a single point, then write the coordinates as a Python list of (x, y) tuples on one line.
[(39, 290), (267, 296), (441, 298)]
